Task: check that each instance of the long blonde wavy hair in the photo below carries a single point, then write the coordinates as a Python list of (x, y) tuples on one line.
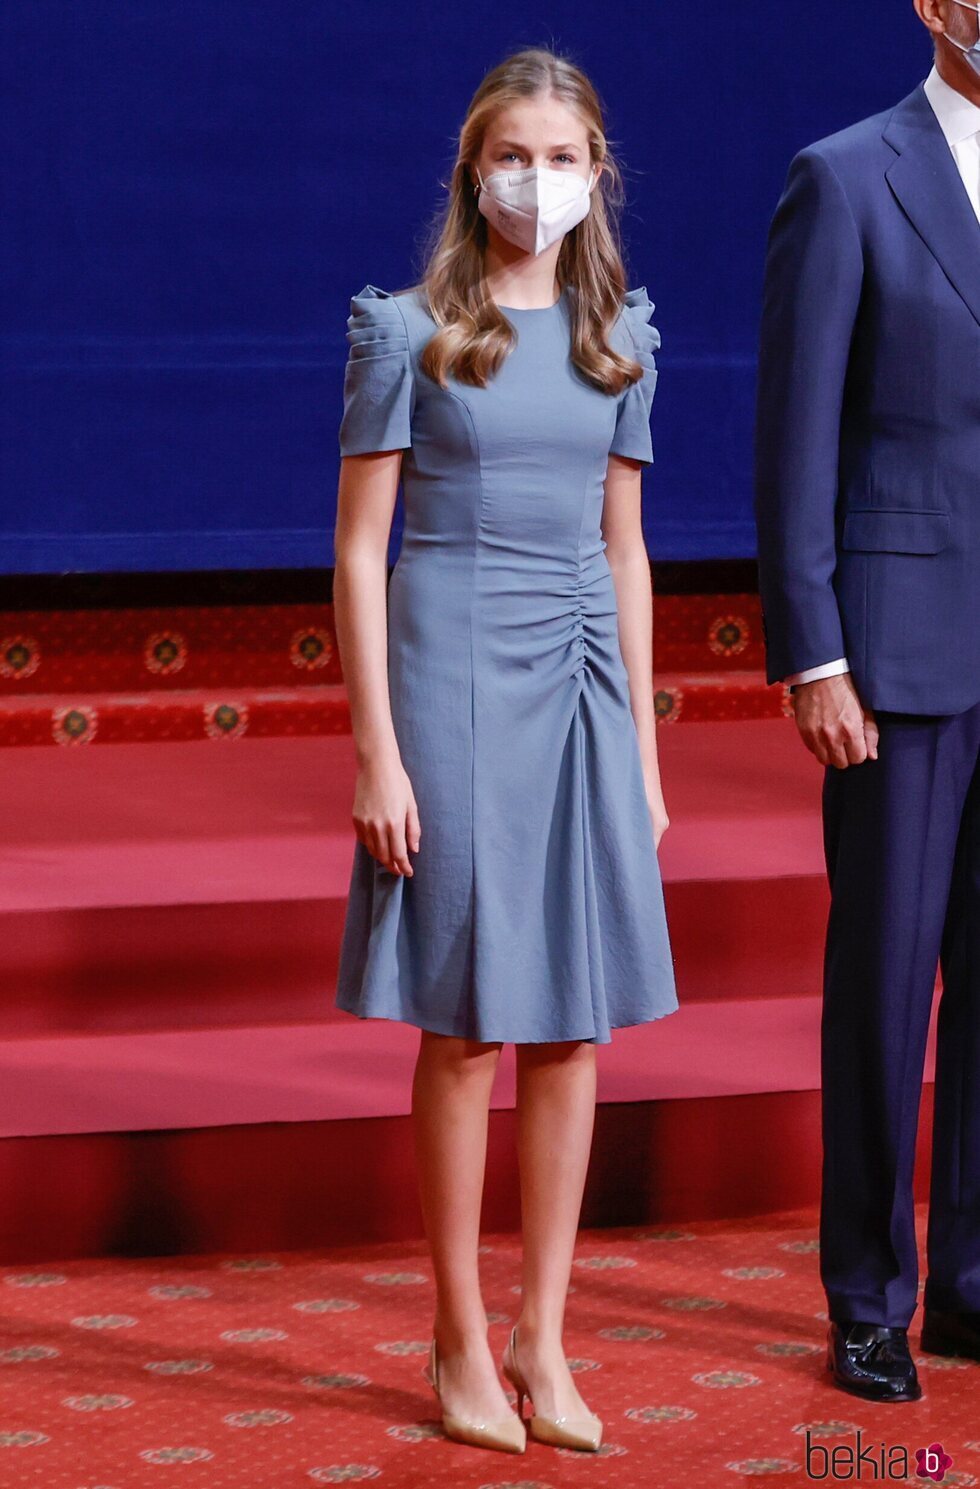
[(473, 335)]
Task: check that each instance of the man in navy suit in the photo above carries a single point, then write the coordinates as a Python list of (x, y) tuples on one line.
[(868, 516)]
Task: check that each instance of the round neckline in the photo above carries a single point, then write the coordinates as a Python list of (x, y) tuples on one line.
[(534, 309)]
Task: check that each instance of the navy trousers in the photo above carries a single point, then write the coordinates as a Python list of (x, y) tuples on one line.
[(902, 845)]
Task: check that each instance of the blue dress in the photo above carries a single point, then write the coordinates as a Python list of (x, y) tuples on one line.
[(536, 909)]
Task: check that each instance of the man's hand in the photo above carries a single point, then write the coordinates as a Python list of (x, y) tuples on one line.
[(834, 724)]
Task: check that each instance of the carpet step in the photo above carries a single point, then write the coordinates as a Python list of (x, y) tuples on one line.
[(211, 672), (157, 647), (229, 712), (360, 1068), (175, 886), (173, 716), (169, 924), (254, 1186), (185, 966)]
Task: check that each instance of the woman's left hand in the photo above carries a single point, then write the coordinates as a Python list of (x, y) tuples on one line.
[(658, 811)]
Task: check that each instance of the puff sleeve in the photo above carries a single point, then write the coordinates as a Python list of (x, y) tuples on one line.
[(632, 437), (378, 378)]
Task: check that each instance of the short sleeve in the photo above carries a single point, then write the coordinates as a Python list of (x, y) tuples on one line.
[(632, 437), (378, 379)]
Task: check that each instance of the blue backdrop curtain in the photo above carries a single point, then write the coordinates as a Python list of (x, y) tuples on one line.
[(193, 189)]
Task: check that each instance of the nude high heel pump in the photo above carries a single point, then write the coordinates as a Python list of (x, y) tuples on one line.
[(560, 1432), (508, 1434)]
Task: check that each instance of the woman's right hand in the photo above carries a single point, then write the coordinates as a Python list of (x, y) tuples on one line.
[(386, 817)]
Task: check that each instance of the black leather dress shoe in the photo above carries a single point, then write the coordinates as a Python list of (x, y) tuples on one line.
[(947, 1333), (872, 1360)]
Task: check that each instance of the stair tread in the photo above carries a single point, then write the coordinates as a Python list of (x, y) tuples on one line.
[(350, 1067)]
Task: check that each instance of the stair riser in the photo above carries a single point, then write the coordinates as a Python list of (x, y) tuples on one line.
[(193, 966), (167, 967), (295, 1185)]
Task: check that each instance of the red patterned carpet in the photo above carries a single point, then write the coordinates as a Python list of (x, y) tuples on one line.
[(701, 1346), (195, 672)]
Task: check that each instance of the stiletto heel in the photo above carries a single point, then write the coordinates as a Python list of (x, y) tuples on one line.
[(507, 1434), (560, 1432)]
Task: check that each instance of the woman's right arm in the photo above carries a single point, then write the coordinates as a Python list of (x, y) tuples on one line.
[(385, 813)]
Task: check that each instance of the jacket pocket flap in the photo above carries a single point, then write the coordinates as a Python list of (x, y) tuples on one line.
[(895, 530)]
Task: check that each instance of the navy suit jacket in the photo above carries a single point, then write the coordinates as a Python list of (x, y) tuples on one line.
[(867, 496)]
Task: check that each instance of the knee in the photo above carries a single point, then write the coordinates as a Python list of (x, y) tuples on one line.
[(459, 1059), (565, 1052)]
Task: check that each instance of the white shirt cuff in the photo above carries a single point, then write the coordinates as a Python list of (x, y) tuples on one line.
[(826, 669)]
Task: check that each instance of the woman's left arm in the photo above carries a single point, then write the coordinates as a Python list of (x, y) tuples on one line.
[(630, 566)]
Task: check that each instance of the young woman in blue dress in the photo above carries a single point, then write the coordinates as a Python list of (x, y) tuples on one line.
[(508, 799)]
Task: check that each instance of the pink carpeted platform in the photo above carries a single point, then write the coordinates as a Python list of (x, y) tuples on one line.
[(171, 920), (169, 923)]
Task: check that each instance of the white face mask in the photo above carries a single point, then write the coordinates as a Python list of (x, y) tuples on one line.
[(535, 207), (972, 53)]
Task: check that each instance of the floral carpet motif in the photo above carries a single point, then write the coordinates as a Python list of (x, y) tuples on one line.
[(702, 1347)]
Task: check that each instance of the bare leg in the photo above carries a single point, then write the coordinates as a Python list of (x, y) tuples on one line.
[(450, 1111), (556, 1085)]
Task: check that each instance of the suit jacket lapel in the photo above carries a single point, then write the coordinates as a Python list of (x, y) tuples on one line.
[(930, 189)]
